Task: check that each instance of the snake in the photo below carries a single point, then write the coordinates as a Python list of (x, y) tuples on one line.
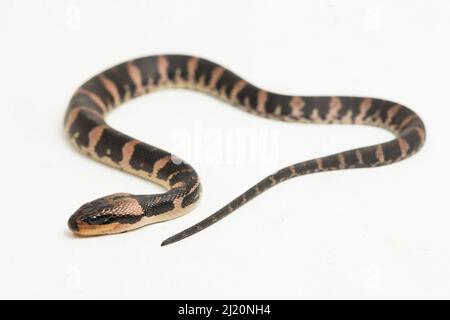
[(88, 132)]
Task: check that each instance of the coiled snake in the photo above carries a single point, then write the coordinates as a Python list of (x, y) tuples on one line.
[(116, 213)]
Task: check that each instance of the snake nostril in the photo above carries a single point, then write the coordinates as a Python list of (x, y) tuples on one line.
[(73, 223)]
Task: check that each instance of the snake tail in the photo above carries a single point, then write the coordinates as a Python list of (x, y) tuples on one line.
[(358, 158)]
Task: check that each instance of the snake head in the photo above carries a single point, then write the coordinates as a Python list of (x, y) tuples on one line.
[(107, 215)]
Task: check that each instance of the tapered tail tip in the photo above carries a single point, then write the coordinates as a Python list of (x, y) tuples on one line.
[(170, 241), (189, 231), (165, 243), (179, 236)]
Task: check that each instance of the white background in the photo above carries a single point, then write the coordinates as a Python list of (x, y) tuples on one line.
[(369, 233)]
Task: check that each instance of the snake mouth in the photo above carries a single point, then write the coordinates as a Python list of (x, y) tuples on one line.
[(83, 229), (78, 225), (88, 230)]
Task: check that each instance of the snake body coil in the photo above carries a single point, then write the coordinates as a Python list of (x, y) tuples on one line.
[(89, 133)]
